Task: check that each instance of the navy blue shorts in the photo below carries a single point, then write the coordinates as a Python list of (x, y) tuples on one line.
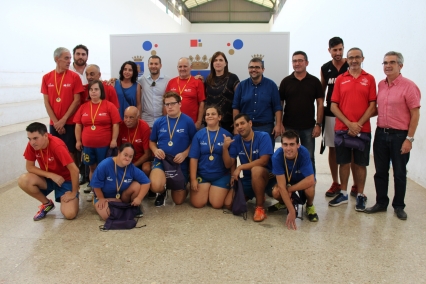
[(93, 156), (248, 189), (59, 190), (68, 137)]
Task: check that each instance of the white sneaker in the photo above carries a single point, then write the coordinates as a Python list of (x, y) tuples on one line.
[(89, 197)]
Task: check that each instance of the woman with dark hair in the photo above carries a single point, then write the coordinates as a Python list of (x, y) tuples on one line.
[(96, 128), (117, 179), (210, 179), (220, 87), (128, 91)]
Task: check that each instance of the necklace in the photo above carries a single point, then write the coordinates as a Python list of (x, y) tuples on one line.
[(45, 162), (286, 169), (134, 135), (58, 91)]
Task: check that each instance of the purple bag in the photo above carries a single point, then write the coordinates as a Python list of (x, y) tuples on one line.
[(342, 138), (121, 217), (239, 203), (174, 176)]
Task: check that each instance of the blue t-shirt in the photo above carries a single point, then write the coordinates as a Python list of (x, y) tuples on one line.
[(260, 102), (261, 146), (182, 137), (200, 150), (126, 96), (303, 165), (104, 177)]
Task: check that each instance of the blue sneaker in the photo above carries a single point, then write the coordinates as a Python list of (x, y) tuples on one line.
[(339, 199), (360, 203), (43, 210)]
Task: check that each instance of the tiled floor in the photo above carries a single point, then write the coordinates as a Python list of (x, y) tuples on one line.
[(187, 245)]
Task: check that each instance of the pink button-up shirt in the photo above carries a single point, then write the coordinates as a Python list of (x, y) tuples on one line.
[(395, 101)]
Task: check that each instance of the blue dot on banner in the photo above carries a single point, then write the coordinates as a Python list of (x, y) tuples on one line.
[(147, 45), (238, 44)]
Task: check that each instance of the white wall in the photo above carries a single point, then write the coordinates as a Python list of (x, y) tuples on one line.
[(374, 26)]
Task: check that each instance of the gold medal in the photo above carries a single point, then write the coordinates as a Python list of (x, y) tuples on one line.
[(211, 158), (117, 196), (58, 99), (211, 147), (93, 127), (288, 185), (116, 177), (170, 143)]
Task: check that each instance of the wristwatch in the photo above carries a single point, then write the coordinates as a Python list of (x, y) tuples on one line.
[(411, 139), (319, 124)]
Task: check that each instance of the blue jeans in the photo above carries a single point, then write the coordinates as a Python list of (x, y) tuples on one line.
[(307, 141), (268, 129), (387, 148)]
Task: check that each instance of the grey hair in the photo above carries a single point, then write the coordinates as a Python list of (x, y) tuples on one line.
[(58, 52), (257, 59), (399, 57), (96, 66), (356, 48)]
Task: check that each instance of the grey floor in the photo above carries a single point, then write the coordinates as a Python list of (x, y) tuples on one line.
[(187, 245)]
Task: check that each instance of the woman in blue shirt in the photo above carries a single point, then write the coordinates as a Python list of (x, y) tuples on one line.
[(117, 179), (210, 179), (127, 89)]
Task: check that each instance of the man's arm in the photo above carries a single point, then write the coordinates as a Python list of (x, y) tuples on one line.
[(320, 116), (73, 107), (414, 121), (74, 172), (305, 183), (227, 160), (200, 115), (115, 131), (368, 113), (49, 109), (262, 162)]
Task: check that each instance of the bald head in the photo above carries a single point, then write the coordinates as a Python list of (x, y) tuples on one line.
[(184, 68), (93, 72), (131, 116)]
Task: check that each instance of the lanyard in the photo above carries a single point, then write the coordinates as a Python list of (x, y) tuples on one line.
[(251, 148), (45, 163), (174, 128), (58, 91), (94, 117), (211, 148), (116, 179), (181, 90), (286, 168), (134, 135)]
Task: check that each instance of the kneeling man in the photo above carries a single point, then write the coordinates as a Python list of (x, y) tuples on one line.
[(57, 172)]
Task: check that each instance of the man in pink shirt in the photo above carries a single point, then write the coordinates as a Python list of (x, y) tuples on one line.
[(398, 107)]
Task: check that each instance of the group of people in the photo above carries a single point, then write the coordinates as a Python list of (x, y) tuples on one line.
[(186, 133)]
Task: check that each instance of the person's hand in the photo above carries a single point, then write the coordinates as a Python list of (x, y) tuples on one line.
[(227, 141), (59, 180), (316, 131), (277, 131), (78, 146), (59, 124), (236, 173), (232, 180), (179, 158), (194, 185), (198, 125), (61, 131), (68, 196), (101, 204), (137, 201), (111, 82), (159, 154), (291, 220), (354, 128), (113, 144), (199, 77), (406, 147)]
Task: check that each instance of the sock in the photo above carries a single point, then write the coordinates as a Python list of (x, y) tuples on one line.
[(344, 192), (360, 194)]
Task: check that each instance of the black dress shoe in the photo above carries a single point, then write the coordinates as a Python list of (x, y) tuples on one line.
[(376, 208), (400, 213)]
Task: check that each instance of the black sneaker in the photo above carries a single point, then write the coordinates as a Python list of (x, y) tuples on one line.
[(88, 188), (151, 195), (161, 199), (276, 207), (140, 212)]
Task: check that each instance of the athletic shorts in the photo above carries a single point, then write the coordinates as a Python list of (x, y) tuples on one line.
[(222, 182), (248, 189), (361, 158), (93, 156), (68, 137), (330, 121), (59, 190)]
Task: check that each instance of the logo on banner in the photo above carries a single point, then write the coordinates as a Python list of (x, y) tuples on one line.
[(139, 64), (195, 43), (200, 65)]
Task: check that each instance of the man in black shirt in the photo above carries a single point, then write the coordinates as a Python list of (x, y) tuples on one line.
[(329, 72)]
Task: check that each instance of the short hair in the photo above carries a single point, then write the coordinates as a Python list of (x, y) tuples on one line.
[(134, 68), (335, 41), (355, 48), (212, 75), (101, 88), (216, 107), (94, 65), (80, 46), (299, 52), (257, 59), (154, 57), (171, 94), (125, 145), (243, 115), (290, 134), (37, 127), (399, 57), (58, 52)]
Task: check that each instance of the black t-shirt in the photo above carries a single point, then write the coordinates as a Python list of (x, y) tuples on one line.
[(221, 94), (299, 97), (330, 73)]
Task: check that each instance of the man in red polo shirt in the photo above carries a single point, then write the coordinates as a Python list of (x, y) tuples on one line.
[(191, 91), (93, 72), (61, 89), (353, 102), (56, 172), (398, 110)]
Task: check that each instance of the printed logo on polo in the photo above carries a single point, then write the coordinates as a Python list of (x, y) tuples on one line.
[(180, 130), (364, 82), (220, 143), (103, 114), (256, 151), (124, 139), (85, 114), (50, 85), (128, 180), (66, 85), (173, 89), (38, 155), (138, 140), (298, 172), (329, 70), (203, 143), (242, 153), (51, 159), (163, 130), (188, 90), (109, 179), (347, 81)]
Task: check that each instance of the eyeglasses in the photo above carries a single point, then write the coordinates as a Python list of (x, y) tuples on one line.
[(153, 84), (389, 63), (254, 67), (352, 58), (170, 104), (298, 60)]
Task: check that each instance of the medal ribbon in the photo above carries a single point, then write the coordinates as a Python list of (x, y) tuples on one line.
[(46, 164), (94, 117), (116, 177), (58, 91), (251, 148), (174, 128), (134, 135), (286, 168), (181, 90), (214, 141)]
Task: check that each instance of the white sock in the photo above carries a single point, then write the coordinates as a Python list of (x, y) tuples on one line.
[(344, 192)]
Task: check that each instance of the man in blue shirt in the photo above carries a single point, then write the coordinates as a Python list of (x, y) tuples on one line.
[(254, 150), (293, 170), (258, 97)]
